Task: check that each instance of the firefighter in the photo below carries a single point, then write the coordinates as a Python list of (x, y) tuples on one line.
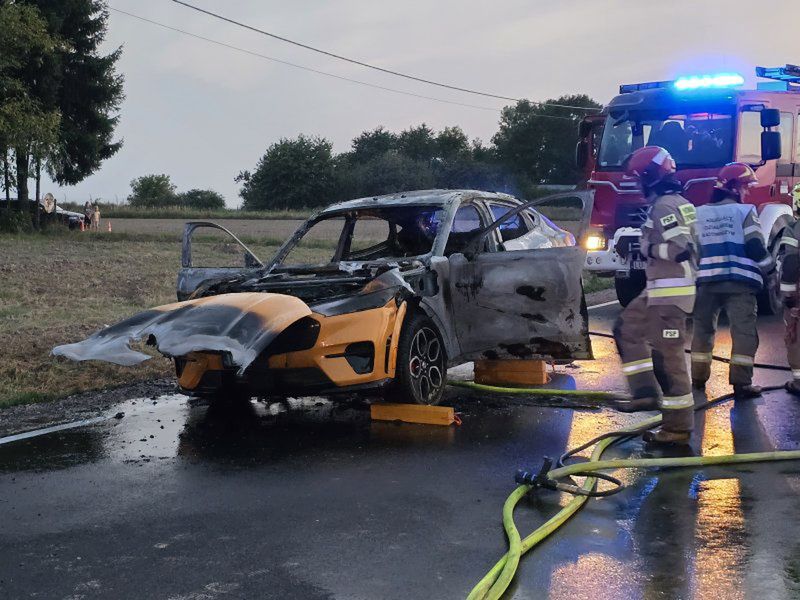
[(790, 290), (734, 260), (651, 331)]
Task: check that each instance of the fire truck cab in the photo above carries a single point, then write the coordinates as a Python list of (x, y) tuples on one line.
[(705, 122)]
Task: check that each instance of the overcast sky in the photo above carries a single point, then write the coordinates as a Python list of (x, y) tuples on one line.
[(201, 113)]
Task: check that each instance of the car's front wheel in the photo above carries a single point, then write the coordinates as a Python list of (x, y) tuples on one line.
[(421, 370)]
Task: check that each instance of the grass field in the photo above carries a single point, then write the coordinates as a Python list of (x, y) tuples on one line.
[(61, 288)]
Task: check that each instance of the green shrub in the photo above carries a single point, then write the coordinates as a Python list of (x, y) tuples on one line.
[(12, 221)]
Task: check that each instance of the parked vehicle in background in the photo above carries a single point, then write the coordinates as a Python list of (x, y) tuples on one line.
[(705, 122)]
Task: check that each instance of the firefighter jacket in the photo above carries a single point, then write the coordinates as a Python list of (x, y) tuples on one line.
[(670, 245), (790, 268), (732, 247)]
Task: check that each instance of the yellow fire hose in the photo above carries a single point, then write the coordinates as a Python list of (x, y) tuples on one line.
[(497, 580)]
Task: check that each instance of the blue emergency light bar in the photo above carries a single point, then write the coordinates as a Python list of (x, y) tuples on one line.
[(720, 80), (694, 82)]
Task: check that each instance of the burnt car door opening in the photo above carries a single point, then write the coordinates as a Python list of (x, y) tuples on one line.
[(521, 303)]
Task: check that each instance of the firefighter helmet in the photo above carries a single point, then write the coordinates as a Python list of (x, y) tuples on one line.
[(736, 178), (796, 199), (649, 165)]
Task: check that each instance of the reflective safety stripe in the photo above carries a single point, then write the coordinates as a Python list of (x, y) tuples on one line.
[(752, 229), (765, 262), (675, 232), (789, 241), (688, 290), (662, 251), (677, 402), (796, 373), (669, 282), (637, 366), (703, 357), (741, 359), (789, 287)]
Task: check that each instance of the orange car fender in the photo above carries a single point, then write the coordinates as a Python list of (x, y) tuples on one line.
[(398, 326)]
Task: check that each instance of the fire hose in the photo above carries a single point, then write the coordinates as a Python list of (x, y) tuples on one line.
[(497, 580)]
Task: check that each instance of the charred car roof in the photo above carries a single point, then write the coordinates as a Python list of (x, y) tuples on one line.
[(417, 198)]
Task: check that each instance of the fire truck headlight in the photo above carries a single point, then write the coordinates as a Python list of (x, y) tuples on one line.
[(594, 241)]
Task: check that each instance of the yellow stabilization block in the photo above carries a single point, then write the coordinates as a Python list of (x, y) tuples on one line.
[(511, 372), (413, 413)]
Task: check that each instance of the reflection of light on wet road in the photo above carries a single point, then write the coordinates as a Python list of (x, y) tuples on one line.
[(592, 576), (588, 425), (719, 534), (717, 435), (150, 430)]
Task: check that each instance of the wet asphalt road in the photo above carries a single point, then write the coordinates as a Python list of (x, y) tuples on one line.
[(182, 500)]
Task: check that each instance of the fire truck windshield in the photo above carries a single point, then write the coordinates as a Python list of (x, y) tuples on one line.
[(695, 140)]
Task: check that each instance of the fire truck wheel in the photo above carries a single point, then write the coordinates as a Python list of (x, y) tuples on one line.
[(629, 287)]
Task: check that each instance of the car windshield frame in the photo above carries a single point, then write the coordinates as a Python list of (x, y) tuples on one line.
[(662, 116), (444, 216)]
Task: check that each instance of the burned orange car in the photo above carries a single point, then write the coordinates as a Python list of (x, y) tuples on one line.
[(417, 282)]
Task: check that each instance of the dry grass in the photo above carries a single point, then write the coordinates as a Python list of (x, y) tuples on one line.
[(60, 289)]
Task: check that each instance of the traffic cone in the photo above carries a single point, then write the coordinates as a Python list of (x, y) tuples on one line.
[(109, 227)]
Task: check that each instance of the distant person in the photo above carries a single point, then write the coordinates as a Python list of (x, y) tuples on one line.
[(87, 214), (96, 218)]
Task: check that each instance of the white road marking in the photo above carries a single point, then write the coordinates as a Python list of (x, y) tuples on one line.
[(37, 432), (604, 304)]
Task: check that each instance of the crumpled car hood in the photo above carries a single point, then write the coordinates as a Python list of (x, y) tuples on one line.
[(241, 324)]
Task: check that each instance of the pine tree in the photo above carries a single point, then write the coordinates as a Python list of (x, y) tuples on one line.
[(81, 84)]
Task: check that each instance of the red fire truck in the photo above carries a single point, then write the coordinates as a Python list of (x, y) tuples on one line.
[(704, 122)]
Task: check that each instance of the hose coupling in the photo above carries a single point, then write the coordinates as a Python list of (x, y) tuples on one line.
[(540, 479)]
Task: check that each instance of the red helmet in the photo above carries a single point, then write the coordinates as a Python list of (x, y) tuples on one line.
[(649, 165), (736, 178)]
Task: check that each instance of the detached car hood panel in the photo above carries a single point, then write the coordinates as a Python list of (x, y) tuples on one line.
[(241, 324)]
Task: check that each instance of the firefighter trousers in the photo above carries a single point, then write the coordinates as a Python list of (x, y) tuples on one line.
[(792, 339), (741, 310), (650, 340)]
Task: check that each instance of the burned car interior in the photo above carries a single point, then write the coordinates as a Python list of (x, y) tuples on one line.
[(414, 283)]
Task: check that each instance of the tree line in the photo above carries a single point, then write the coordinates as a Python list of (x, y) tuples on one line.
[(59, 95), (534, 145)]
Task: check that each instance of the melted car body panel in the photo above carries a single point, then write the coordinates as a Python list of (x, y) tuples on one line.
[(240, 325)]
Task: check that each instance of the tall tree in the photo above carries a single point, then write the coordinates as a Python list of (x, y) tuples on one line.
[(292, 174), (417, 143), (537, 141), (27, 127), (452, 142), (153, 191), (80, 83), (372, 144)]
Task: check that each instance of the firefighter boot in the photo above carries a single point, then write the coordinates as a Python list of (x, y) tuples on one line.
[(793, 387), (746, 392)]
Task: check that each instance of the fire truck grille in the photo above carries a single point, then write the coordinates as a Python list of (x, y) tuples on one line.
[(631, 215)]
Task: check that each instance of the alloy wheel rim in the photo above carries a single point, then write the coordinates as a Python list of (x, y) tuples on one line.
[(425, 364)]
